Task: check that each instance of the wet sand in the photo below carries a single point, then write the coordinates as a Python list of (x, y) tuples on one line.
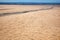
[(33, 25)]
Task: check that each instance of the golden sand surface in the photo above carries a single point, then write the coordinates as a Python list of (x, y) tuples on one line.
[(35, 25)]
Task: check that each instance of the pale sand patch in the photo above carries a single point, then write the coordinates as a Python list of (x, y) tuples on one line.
[(38, 25), (20, 8)]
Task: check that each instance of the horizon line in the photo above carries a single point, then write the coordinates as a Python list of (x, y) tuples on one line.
[(28, 3)]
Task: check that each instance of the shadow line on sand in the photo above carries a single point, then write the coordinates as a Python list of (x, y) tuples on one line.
[(6, 14)]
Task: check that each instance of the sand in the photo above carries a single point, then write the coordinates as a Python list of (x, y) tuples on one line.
[(35, 25)]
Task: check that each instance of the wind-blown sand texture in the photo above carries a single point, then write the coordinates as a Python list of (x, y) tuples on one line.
[(33, 25)]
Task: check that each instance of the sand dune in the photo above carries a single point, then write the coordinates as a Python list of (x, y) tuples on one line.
[(36, 25)]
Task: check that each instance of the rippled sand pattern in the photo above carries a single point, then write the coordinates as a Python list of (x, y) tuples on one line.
[(36, 25)]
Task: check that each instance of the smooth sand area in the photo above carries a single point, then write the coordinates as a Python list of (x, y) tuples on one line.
[(35, 25)]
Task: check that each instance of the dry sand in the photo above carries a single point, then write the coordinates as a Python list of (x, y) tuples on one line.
[(37, 25)]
